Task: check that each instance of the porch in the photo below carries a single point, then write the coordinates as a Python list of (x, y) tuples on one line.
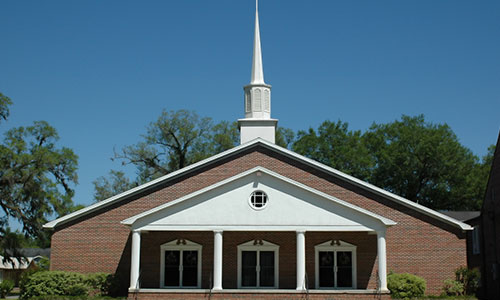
[(258, 265)]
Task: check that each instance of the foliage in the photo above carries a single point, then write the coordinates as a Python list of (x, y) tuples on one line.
[(425, 162), (50, 283), (285, 137), (6, 287), (35, 175), (175, 140), (53, 283), (469, 279), (336, 146), (101, 283), (116, 183), (44, 264), (59, 297), (4, 106), (453, 287), (405, 286)]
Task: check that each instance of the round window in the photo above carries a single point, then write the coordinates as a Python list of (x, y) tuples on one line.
[(258, 200)]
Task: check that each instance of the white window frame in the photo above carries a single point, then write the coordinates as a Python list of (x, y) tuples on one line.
[(259, 245), (179, 245), (332, 245), (264, 194)]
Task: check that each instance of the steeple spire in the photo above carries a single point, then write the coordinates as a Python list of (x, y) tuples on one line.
[(257, 122), (257, 69)]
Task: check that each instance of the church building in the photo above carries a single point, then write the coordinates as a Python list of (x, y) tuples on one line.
[(259, 221)]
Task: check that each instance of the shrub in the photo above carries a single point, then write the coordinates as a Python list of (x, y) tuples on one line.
[(469, 278), (453, 287), (53, 283), (100, 283), (405, 286), (5, 287)]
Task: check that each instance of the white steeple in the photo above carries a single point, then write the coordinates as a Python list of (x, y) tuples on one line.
[(257, 69), (257, 122)]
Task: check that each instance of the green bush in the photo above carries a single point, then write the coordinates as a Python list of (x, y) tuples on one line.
[(453, 287), (58, 283), (469, 278), (46, 283), (100, 283), (405, 286), (466, 282), (5, 287)]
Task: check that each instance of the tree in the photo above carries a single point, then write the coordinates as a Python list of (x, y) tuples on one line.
[(425, 163), (107, 187), (175, 140), (35, 176), (285, 137), (336, 146), (4, 106)]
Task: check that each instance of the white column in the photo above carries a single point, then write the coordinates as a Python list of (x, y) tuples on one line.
[(217, 260), (135, 261), (301, 260), (382, 260)]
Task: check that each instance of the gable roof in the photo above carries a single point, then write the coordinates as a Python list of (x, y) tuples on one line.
[(366, 213), (238, 149)]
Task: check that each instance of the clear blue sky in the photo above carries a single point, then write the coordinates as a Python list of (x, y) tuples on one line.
[(101, 71)]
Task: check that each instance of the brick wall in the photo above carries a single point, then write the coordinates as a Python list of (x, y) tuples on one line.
[(417, 244), (257, 296)]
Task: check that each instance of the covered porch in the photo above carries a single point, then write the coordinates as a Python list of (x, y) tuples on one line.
[(258, 235), (255, 264)]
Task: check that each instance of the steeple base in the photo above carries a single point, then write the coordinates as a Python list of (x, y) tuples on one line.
[(251, 129)]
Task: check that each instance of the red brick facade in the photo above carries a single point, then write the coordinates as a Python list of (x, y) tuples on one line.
[(418, 244)]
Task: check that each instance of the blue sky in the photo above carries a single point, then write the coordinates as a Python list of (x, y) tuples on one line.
[(101, 71)]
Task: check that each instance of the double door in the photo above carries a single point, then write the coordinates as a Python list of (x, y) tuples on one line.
[(335, 269)]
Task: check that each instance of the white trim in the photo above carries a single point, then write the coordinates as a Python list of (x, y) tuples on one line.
[(254, 245), (264, 204), (173, 245), (286, 152), (327, 246), (385, 221), (255, 227)]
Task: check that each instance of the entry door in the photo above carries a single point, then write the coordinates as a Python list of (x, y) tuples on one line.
[(257, 268), (181, 268), (335, 269)]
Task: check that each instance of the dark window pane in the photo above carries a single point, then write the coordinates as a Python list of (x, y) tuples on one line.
[(326, 274), (190, 268), (344, 269), (172, 262), (266, 268), (248, 268)]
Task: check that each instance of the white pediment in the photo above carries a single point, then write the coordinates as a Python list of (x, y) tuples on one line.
[(290, 206)]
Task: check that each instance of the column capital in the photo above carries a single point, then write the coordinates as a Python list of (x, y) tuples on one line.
[(219, 231), (136, 231), (300, 231)]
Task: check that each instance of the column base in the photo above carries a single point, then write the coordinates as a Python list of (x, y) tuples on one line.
[(217, 289)]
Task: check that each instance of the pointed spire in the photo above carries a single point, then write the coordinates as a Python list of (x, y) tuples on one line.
[(257, 69)]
